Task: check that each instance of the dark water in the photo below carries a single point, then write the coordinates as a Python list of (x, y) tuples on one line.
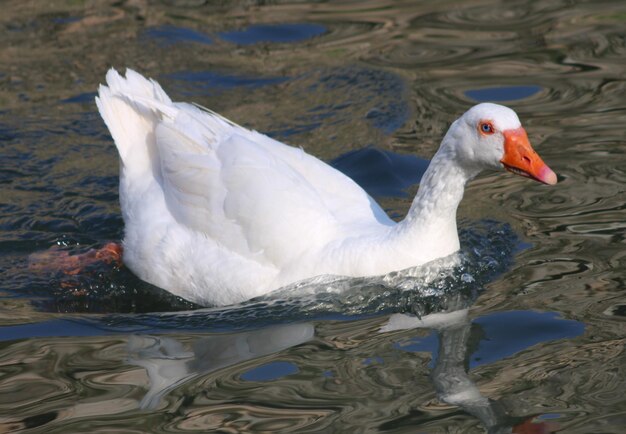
[(533, 338)]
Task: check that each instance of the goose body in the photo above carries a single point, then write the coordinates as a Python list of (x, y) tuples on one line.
[(218, 214)]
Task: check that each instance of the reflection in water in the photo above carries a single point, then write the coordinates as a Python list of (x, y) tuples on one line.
[(389, 75), (453, 383), (169, 364), (503, 93), (211, 83), (380, 172), (269, 372), (280, 33), (171, 35), (450, 373)]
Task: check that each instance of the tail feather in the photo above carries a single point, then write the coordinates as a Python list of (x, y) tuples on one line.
[(131, 122), (135, 84)]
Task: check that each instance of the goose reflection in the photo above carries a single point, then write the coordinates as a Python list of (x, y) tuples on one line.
[(450, 374), (169, 364)]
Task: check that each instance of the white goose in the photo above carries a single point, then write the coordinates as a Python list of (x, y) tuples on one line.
[(218, 214)]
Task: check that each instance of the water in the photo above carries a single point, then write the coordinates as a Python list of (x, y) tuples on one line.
[(528, 330)]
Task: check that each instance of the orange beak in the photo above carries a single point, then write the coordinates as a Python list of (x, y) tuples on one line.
[(521, 159)]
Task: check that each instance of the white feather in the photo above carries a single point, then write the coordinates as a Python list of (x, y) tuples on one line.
[(218, 214)]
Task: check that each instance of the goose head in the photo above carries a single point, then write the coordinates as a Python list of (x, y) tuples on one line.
[(490, 136)]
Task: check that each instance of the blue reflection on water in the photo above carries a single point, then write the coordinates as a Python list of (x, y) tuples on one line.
[(503, 334), (81, 98), (381, 172), (421, 344), (273, 33), (204, 81), (52, 328), (270, 371), (504, 93), (168, 35), (549, 416), (507, 333)]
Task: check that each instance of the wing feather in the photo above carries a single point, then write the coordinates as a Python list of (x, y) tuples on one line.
[(252, 194)]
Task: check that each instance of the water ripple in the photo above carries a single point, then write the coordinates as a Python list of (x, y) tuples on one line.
[(387, 74)]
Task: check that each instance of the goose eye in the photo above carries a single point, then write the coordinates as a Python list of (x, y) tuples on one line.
[(486, 128)]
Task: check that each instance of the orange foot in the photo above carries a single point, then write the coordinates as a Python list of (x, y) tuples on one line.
[(56, 259)]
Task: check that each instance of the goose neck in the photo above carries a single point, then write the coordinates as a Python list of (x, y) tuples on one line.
[(440, 192)]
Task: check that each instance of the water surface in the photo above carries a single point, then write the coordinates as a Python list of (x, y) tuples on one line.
[(531, 332)]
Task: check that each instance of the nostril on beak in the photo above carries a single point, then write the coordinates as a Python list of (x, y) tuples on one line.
[(526, 160)]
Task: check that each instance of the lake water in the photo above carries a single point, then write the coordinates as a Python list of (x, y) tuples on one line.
[(528, 332)]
